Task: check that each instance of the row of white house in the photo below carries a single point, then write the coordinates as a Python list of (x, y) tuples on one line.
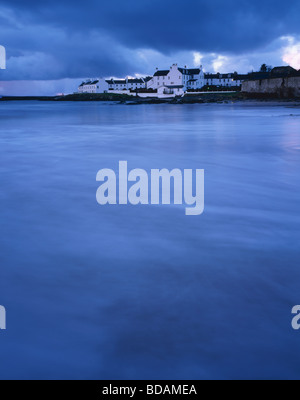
[(164, 83)]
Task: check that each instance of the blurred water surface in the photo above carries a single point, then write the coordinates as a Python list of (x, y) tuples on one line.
[(124, 292)]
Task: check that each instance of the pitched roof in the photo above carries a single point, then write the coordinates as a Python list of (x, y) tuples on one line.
[(211, 76), (125, 81), (162, 73), (258, 76), (220, 76), (239, 77), (116, 81), (283, 71), (89, 83), (135, 80), (187, 71), (174, 86)]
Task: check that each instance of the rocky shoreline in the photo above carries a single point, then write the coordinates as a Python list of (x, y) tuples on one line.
[(202, 98)]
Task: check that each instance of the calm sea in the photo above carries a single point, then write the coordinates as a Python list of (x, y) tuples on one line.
[(145, 292)]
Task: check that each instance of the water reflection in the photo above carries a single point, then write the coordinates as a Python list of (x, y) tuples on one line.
[(145, 292)]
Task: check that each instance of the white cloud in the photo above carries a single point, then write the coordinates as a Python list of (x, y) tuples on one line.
[(198, 57), (291, 53), (219, 62)]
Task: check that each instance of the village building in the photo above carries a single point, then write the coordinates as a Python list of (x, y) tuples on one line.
[(277, 72), (224, 80), (176, 81), (93, 86), (283, 72), (128, 84)]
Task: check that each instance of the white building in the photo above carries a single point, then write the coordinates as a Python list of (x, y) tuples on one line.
[(164, 83), (192, 78), (127, 85), (93, 86), (178, 80), (224, 80)]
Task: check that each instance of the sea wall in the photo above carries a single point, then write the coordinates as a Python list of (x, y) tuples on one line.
[(275, 87)]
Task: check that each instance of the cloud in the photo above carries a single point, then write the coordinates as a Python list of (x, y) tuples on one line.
[(167, 25), (52, 40), (219, 62), (198, 57), (38, 88), (291, 53)]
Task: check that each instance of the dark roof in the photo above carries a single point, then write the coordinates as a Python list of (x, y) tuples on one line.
[(239, 77), (225, 76), (125, 81), (277, 72), (253, 76), (116, 81), (135, 81), (283, 71), (187, 71), (88, 83), (174, 86), (161, 73), (195, 71), (211, 76)]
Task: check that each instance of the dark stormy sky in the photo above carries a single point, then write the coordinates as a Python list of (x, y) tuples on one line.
[(53, 45)]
